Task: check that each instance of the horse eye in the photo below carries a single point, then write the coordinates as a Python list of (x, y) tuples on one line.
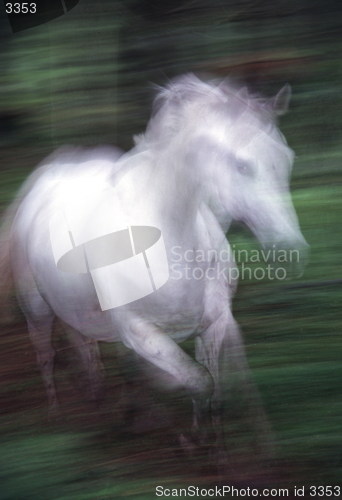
[(245, 168)]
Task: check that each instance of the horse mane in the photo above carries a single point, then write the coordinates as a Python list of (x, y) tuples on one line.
[(186, 96)]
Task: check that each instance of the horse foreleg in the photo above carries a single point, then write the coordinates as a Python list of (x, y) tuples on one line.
[(210, 348), (160, 350), (220, 348)]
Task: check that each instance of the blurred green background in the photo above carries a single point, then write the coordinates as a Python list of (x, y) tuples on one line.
[(86, 79)]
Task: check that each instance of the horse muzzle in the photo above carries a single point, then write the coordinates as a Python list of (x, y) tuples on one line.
[(289, 256)]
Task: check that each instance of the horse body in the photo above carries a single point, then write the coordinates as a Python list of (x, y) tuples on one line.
[(210, 155), (72, 295)]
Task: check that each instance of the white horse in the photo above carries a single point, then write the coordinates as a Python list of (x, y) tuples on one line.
[(113, 245)]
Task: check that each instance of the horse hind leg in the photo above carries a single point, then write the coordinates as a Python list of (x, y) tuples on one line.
[(40, 320), (89, 354)]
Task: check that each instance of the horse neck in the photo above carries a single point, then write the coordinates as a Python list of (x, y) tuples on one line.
[(194, 191), (178, 190)]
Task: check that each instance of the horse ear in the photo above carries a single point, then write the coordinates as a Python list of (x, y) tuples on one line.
[(280, 102)]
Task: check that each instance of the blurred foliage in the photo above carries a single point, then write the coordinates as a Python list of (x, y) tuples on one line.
[(87, 78)]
